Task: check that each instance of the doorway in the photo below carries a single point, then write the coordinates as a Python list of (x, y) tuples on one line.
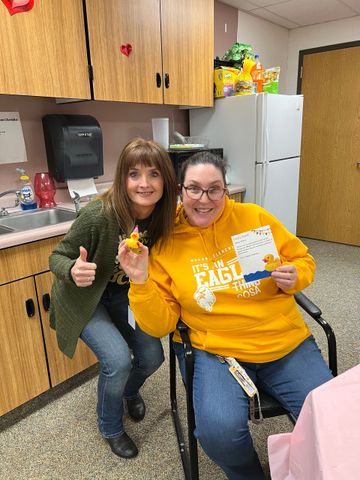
[(329, 189)]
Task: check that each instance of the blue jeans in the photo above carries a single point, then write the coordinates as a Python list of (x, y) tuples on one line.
[(221, 405), (127, 358)]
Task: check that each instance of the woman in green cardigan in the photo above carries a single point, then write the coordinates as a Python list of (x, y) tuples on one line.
[(89, 298)]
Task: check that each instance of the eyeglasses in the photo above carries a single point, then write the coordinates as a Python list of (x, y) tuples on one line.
[(213, 193)]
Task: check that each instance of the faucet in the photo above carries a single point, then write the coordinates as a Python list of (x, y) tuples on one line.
[(3, 210), (76, 201)]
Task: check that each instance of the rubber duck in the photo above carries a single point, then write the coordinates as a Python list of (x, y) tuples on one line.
[(133, 241), (271, 262)]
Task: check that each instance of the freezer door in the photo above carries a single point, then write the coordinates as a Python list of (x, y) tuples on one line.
[(279, 122), (280, 183)]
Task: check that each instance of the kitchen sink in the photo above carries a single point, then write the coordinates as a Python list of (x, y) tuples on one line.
[(4, 229), (28, 220)]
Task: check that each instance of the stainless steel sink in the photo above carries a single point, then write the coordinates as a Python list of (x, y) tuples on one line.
[(4, 229), (28, 220)]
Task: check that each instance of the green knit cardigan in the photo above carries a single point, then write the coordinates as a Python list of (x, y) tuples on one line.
[(71, 306)]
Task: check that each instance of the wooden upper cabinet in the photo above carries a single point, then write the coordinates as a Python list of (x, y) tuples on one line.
[(43, 51), (143, 51), (188, 51), (172, 50), (116, 23)]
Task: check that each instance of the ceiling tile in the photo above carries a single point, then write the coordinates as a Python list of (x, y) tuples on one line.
[(265, 3), (272, 17), (309, 12), (354, 4), (241, 4)]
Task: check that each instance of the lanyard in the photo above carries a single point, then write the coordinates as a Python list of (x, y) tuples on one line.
[(240, 375)]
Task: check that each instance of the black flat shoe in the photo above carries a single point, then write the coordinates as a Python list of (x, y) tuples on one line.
[(123, 446), (136, 408)]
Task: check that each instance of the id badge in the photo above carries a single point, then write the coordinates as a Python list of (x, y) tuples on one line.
[(245, 381), (131, 318)]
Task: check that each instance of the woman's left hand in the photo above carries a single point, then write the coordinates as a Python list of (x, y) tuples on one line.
[(285, 276)]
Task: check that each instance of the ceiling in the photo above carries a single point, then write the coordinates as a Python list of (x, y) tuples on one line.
[(298, 13)]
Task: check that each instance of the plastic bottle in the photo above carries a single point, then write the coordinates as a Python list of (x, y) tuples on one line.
[(27, 194), (257, 73)]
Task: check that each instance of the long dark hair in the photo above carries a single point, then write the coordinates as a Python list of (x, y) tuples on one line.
[(117, 201)]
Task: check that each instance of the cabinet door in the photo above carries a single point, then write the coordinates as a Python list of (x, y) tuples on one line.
[(23, 370), (115, 26), (27, 259), (43, 51), (187, 29), (60, 366)]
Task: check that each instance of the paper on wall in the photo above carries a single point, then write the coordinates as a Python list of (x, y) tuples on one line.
[(83, 186), (12, 144)]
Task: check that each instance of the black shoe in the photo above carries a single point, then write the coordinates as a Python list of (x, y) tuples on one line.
[(136, 408), (123, 446)]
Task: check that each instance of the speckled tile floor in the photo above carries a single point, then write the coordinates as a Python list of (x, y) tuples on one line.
[(55, 437)]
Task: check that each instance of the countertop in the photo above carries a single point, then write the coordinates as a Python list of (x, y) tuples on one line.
[(19, 238)]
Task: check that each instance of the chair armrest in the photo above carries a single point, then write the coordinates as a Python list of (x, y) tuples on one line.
[(309, 307), (314, 311)]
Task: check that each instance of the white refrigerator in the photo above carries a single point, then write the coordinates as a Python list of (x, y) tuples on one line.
[(261, 138)]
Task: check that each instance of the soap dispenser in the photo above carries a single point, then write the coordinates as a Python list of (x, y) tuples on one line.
[(27, 194)]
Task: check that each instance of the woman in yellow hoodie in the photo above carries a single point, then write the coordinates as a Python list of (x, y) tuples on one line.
[(256, 324)]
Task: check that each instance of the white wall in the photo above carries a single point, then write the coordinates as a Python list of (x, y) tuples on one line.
[(313, 36), (270, 41), (278, 46)]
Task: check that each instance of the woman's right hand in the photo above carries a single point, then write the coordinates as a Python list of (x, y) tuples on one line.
[(83, 272), (135, 265)]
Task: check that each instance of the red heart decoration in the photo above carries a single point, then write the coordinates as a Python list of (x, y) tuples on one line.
[(17, 6), (126, 49)]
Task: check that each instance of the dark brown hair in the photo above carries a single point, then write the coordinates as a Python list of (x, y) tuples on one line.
[(117, 201), (203, 158)]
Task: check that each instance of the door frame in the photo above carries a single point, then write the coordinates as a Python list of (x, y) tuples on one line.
[(326, 48)]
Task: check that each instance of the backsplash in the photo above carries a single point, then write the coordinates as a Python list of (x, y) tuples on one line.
[(120, 122)]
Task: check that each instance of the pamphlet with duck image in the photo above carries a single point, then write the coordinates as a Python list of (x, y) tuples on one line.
[(257, 253)]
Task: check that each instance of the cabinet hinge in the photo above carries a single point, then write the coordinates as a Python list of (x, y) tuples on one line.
[(301, 71)]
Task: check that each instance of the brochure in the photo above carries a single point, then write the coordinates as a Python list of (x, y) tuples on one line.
[(12, 144), (256, 252)]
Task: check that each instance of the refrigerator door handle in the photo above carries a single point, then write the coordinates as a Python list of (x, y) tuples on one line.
[(264, 169), (264, 180)]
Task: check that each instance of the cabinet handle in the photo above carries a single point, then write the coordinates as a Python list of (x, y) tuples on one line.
[(158, 80), (167, 80), (30, 307), (46, 302)]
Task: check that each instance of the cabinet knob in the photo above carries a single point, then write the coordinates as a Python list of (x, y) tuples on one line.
[(46, 302), (167, 80), (30, 307), (158, 80)]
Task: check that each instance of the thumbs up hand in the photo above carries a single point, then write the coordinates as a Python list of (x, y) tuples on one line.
[(83, 272)]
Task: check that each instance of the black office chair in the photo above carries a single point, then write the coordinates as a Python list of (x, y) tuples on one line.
[(269, 406)]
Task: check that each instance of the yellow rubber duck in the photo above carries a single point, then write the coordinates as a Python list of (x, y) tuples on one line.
[(271, 262), (133, 241)]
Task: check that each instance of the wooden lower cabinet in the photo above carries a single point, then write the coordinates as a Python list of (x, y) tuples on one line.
[(30, 360), (60, 366), (23, 369)]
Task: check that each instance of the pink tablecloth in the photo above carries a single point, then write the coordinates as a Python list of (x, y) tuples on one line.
[(325, 442)]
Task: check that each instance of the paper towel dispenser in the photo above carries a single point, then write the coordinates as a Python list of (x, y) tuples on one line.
[(74, 146)]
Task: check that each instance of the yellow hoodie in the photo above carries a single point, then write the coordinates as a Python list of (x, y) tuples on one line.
[(197, 277)]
